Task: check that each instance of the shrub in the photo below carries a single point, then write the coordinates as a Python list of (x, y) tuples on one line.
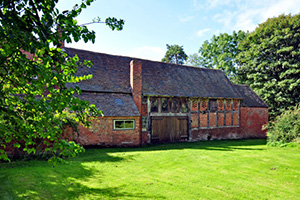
[(285, 130)]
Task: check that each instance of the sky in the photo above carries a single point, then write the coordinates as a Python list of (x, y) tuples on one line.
[(150, 25)]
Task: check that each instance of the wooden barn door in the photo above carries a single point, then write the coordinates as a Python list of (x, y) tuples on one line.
[(169, 129)]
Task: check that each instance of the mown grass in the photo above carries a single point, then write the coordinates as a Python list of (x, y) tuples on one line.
[(240, 169)]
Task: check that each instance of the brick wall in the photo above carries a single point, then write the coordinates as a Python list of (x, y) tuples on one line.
[(251, 121), (101, 133)]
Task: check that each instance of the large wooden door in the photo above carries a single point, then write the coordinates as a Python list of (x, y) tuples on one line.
[(169, 129)]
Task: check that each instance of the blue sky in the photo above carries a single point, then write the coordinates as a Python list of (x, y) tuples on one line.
[(151, 24)]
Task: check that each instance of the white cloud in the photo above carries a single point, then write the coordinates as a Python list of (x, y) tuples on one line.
[(247, 15), (226, 18), (211, 4), (201, 32), (245, 20), (281, 7)]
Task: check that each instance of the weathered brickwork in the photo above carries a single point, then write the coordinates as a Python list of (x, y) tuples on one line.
[(102, 133), (203, 120), (235, 119), (220, 119), (194, 120), (144, 110), (212, 120), (228, 119), (145, 138), (251, 121)]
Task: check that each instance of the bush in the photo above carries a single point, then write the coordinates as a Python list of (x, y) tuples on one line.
[(285, 130)]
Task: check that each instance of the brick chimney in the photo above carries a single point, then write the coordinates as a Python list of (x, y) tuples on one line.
[(136, 82)]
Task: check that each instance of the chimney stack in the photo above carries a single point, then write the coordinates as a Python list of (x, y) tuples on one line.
[(136, 82)]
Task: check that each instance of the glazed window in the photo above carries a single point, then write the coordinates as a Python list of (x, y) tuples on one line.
[(175, 107), (213, 106), (184, 106), (154, 104), (164, 105), (124, 124)]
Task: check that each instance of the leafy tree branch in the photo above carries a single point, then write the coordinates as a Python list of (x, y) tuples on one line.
[(34, 74)]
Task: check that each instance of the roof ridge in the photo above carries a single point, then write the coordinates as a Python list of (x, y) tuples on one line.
[(142, 59)]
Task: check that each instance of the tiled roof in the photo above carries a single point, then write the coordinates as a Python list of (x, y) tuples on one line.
[(112, 74), (112, 104), (251, 99), (178, 80)]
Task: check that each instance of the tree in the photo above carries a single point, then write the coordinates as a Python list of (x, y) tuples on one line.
[(175, 54), (34, 98), (285, 128), (270, 62), (194, 60), (220, 53)]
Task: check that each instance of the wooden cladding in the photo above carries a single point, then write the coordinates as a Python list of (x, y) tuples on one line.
[(169, 129)]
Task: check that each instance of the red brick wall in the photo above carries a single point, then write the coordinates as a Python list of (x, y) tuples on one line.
[(144, 110), (212, 119), (101, 133), (220, 119), (194, 120), (145, 138), (251, 121), (215, 134)]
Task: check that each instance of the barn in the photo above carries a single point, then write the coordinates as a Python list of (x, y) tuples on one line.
[(153, 102)]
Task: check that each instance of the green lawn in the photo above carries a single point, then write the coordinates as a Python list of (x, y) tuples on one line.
[(241, 169)]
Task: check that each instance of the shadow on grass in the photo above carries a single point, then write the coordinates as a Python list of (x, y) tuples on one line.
[(215, 145), (39, 180)]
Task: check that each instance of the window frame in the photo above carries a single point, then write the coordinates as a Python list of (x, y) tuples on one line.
[(153, 101), (123, 120), (168, 106), (175, 105), (213, 105)]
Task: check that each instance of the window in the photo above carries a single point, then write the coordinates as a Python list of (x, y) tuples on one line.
[(175, 107), (164, 105), (124, 124), (184, 106), (154, 104), (213, 106)]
